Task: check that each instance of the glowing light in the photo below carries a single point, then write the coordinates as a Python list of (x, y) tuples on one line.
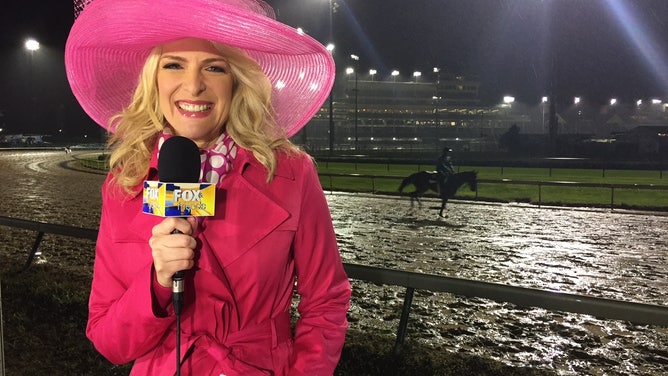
[(642, 39), (508, 99), (576, 100), (350, 70), (544, 100), (613, 101), (280, 84), (32, 45)]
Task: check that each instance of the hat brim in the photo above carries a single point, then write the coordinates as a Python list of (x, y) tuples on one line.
[(111, 39)]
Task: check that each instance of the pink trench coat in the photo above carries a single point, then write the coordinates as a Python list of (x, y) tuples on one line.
[(236, 317)]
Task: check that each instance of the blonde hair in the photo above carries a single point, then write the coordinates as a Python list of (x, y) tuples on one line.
[(250, 124)]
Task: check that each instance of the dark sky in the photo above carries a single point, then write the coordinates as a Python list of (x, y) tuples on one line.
[(596, 49)]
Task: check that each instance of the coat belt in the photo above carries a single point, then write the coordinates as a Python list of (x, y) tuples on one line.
[(263, 336)]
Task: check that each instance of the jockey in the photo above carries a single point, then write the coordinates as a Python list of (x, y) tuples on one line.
[(444, 166)]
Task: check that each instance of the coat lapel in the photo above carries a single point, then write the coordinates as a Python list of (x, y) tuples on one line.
[(245, 213)]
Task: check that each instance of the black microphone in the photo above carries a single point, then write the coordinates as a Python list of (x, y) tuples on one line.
[(178, 161)]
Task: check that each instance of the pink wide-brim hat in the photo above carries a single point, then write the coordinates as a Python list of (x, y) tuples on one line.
[(111, 39)]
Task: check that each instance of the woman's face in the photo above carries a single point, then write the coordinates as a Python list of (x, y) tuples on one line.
[(195, 89)]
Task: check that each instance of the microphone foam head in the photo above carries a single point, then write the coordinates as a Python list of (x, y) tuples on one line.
[(179, 161)]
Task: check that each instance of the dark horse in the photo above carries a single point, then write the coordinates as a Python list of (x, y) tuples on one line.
[(426, 180)]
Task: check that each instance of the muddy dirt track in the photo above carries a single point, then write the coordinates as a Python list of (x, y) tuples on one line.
[(617, 255)]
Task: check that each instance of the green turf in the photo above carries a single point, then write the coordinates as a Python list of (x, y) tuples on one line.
[(520, 184)]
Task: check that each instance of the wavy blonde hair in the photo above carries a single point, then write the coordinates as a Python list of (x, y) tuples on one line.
[(250, 124)]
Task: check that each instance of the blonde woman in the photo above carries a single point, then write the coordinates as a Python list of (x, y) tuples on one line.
[(227, 76)]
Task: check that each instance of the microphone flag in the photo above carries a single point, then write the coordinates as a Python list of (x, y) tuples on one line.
[(166, 199), (178, 193)]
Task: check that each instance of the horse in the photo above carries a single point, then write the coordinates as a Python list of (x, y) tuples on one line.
[(426, 180)]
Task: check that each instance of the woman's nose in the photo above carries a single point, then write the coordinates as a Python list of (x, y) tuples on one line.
[(194, 82)]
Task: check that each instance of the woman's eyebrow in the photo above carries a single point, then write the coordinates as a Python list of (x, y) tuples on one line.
[(206, 61)]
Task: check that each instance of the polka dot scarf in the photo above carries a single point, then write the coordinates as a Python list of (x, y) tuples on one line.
[(216, 162)]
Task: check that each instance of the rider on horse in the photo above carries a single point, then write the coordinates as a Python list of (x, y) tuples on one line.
[(444, 166)]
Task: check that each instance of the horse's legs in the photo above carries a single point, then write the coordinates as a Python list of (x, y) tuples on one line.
[(415, 197), (440, 213)]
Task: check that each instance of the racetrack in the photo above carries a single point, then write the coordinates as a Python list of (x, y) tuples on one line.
[(616, 255)]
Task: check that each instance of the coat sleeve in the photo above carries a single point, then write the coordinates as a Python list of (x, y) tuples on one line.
[(121, 322), (322, 284)]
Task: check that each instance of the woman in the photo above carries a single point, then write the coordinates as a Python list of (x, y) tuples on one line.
[(236, 82)]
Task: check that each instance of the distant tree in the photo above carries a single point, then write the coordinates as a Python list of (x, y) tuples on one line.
[(510, 141)]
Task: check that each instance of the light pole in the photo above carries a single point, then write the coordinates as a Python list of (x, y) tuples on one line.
[(31, 45), (542, 109), (394, 74), (330, 48), (508, 100), (576, 102), (357, 65), (435, 97)]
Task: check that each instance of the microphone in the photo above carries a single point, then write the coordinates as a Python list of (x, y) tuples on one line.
[(178, 161), (178, 193)]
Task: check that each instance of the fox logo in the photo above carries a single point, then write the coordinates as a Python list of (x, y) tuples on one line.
[(188, 195), (152, 193)]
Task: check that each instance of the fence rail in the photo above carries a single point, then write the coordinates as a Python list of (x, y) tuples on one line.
[(638, 313), (2, 344), (96, 160), (539, 184)]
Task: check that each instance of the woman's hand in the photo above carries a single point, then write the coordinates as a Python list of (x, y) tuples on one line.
[(173, 252)]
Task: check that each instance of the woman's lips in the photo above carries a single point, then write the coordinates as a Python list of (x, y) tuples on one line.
[(194, 109)]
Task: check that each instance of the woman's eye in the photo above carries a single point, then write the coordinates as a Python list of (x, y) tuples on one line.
[(216, 69), (171, 66)]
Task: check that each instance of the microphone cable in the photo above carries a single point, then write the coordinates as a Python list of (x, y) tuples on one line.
[(178, 287), (177, 300)]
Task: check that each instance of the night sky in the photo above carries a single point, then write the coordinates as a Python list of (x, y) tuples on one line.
[(596, 49)]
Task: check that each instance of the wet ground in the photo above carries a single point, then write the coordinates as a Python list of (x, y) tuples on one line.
[(617, 255), (606, 254)]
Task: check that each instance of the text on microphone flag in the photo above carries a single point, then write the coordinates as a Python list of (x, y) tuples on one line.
[(179, 199)]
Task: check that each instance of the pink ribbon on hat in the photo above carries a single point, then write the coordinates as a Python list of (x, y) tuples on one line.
[(216, 162)]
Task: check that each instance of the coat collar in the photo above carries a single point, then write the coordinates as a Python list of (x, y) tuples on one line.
[(245, 159), (242, 162), (246, 212)]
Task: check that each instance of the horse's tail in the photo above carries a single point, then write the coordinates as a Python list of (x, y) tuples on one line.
[(405, 182)]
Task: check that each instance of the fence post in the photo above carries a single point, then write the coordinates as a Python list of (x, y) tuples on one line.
[(2, 342), (403, 321), (35, 248), (540, 194)]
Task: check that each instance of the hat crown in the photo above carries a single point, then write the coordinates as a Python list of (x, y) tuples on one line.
[(103, 66), (255, 6)]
